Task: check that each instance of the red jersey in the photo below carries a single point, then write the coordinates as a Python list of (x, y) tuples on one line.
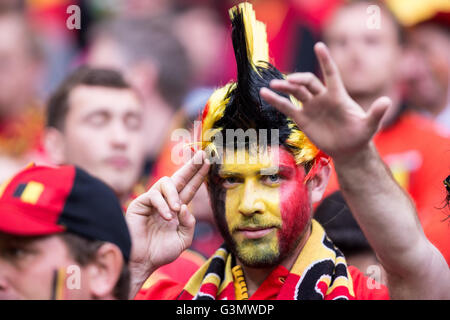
[(364, 287), (179, 271)]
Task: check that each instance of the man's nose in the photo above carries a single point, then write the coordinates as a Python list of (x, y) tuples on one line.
[(251, 201), (118, 135)]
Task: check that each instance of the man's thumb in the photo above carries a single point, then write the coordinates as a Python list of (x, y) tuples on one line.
[(377, 111)]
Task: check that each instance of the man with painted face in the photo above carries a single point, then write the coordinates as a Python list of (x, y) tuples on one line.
[(262, 194)]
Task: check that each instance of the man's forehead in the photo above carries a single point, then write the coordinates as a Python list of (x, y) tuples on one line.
[(84, 98), (255, 160), (7, 238)]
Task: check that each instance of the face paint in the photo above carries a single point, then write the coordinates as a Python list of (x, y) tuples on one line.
[(295, 203), (261, 212)]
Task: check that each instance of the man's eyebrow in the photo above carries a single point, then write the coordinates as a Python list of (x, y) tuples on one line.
[(269, 171), (276, 169), (102, 110), (226, 173)]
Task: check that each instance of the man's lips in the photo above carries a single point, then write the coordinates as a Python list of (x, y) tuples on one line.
[(254, 232), (119, 162)]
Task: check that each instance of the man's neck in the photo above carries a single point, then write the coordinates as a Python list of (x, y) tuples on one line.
[(254, 277)]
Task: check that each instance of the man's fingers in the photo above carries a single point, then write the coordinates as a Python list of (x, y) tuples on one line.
[(170, 193), (377, 111), (329, 69), (191, 188), (298, 91), (148, 202), (307, 79), (186, 219), (282, 104), (183, 175), (186, 226)]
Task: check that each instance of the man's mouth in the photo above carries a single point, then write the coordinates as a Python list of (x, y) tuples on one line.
[(118, 162), (254, 232)]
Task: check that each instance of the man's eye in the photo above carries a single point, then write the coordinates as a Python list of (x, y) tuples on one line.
[(272, 179), (14, 253), (230, 181), (98, 119), (133, 122)]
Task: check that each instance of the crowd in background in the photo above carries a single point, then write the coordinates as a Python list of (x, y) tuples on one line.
[(175, 53)]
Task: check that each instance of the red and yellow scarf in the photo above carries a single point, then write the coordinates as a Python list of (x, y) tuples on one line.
[(320, 272)]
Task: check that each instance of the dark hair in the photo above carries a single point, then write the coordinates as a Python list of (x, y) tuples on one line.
[(84, 250), (246, 109), (58, 104)]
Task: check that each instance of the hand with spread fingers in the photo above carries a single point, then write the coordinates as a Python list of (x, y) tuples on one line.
[(336, 124), (160, 224), (330, 118)]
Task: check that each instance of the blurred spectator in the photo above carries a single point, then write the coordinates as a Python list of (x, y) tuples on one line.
[(59, 43), (427, 68), (154, 61), (204, 37), (336, 218), (412, 146), (21, 116), (94, 120)]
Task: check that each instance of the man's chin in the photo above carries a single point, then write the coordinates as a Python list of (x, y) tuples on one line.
[(259, 263), (261, 257)]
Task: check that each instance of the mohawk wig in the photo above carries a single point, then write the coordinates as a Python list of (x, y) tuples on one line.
[(238, 105)]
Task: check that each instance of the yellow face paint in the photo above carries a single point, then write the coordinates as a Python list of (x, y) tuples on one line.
[(261, 204), (252, 205)]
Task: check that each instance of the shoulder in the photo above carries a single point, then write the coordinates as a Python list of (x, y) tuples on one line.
[(366, 288)]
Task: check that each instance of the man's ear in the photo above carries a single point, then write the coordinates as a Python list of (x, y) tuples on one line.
[(104, 272), (318, 183), (54, 145)]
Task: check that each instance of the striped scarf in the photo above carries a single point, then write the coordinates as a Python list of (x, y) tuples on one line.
[(320, 272)]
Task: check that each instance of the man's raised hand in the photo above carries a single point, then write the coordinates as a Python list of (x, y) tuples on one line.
[(332, 120), (160, 224)]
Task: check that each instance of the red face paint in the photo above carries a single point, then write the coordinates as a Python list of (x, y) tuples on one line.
[(294, 202)]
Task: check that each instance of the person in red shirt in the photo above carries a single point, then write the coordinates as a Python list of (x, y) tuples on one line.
[(416, 149), (262, 193)]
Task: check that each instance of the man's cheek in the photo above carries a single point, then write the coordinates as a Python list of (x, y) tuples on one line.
[(294, 212)]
